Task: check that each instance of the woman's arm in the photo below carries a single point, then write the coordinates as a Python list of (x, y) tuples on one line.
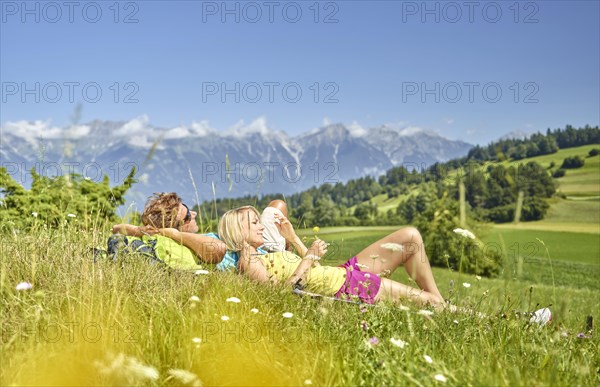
[(253, 267)]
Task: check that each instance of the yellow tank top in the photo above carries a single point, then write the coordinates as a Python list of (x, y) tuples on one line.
[(320, 279)]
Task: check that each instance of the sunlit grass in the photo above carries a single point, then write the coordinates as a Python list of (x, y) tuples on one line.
[(129, 322)]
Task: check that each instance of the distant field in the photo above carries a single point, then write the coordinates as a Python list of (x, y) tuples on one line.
[(562, 245)]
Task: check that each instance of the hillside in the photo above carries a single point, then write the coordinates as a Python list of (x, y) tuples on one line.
[(581, 187)]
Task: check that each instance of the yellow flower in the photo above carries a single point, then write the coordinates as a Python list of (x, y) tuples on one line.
[(316, 229)]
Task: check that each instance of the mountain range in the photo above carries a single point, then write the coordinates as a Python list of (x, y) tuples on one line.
[(201, 163)]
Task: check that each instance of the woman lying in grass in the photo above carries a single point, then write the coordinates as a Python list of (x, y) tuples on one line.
[(241, 230)]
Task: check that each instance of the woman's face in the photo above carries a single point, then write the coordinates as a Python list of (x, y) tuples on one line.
[(252, 228)]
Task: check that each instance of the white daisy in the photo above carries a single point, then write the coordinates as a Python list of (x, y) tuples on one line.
[(23, 286), (440, 378)]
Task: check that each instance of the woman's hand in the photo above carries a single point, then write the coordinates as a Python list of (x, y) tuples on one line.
[(318, 248)]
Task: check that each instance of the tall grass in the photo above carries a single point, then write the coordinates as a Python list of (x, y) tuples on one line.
[(130, 322)]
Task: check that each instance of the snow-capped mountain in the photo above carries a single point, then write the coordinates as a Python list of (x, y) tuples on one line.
[(201, 160)]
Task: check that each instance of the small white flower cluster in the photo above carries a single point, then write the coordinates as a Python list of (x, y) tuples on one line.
[(398, 342), (23, 286), (464, 233), (392, 246)]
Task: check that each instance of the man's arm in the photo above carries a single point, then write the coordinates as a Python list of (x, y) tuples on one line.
[(127, 229), (208, 249)]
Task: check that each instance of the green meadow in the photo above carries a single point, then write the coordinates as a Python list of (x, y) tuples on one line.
[(85, 320)]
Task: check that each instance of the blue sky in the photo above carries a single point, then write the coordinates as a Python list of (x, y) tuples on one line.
[(471, 72)]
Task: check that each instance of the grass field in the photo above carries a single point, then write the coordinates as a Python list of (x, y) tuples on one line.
[(131, 323)]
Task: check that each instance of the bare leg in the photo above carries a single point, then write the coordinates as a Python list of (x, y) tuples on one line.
[(395, 291), (412, 255)]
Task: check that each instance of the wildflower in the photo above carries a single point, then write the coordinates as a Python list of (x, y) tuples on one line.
[(362, 266), (392, 246), (373, 341), (225, 318), (307, 382), (198, 272), (464, 233), (486, 293), (466, 284), (404, 308), (288, 315), (196, 340), (478, 277), (35, 214), (235, 300), (254, 310), (24, 286), (185, 377), (316, 229), (195, 299), (425, 312), (440, 378), (455, 321), (71, 215), (428, 359), (397, 342), (363, 308), (364, 325), (374, 256)]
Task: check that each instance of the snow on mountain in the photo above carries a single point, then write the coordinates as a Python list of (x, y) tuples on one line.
[(250, 158)]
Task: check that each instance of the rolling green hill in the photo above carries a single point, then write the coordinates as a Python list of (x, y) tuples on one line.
[(581, 187)]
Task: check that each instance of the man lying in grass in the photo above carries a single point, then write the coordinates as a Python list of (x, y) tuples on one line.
[(242, 231), (166, 214)]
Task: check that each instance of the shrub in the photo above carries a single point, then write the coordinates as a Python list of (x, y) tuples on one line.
[(594, 152), (559, 173), (573, 162), (55, 201), (448, 249)]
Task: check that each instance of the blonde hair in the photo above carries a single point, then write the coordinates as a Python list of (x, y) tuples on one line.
[(230, 227)]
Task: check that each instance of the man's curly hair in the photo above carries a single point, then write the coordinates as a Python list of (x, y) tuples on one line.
[(161, 211)]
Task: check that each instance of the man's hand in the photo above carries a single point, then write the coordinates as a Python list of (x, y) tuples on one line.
[(285, 227)]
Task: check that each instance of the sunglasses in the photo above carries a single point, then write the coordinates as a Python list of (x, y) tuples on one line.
[(188, 215)]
